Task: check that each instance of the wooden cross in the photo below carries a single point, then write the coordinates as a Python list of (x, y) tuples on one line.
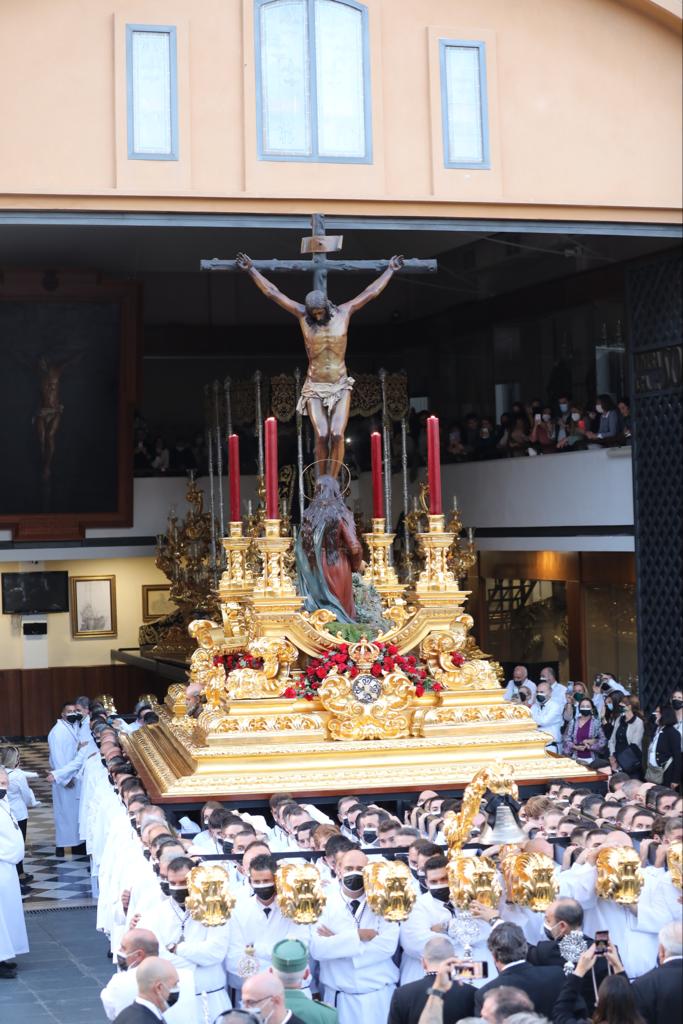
[(319, 244)]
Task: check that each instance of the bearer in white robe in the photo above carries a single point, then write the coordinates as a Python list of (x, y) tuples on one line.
[(354, 948), (433, 914), (13, 938), (189, 944), (62, 742)]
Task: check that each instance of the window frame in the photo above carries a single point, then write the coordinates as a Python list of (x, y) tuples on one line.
[(485, 163), (169, 30), (314, 157)]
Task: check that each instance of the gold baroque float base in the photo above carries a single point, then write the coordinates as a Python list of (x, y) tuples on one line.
[(362, 731), (274, 748)]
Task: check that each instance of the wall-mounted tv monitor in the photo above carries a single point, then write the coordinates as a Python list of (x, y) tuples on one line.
[(35, 593)]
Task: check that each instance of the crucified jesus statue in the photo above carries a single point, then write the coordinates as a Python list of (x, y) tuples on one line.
[(326, 393)]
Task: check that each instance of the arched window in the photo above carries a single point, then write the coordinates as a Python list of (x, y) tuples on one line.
[(313, 80)]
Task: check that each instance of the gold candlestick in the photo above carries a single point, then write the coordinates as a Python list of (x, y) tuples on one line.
[(434, 545), (237, 580), (273, 548), (379, 571)]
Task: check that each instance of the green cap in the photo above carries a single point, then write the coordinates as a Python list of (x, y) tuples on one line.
[(290, 956)]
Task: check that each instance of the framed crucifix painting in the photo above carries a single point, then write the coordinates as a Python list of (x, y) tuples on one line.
[(69, 360)]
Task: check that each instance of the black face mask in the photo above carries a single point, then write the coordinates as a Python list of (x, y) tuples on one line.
[(264, 892), (3, 794), (179, 894), (677, 704), (353, 881), (121, 962), (172, 998), (585, 714), (413, 872), (577, 697), (421, 880), (369, 835), (227, 845), (165, 887), (549, 933), (540, 699), (155, 869), (440, 893), (73, 719), (146, 854)]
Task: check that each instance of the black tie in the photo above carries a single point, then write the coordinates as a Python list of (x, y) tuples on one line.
[(354, 904), (267, 910)]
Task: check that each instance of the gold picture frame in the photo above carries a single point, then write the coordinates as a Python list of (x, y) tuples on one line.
[(92, 606), (153, 605)]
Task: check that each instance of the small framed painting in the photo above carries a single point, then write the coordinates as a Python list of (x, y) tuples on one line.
[(92, 606), (156, 602)]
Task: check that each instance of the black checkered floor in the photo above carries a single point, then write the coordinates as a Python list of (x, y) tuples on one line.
[(57, 881)]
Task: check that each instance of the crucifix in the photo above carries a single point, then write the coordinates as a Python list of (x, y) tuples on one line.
[(326, 392)]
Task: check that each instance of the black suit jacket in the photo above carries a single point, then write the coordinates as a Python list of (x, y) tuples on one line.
[(541, 984), (659, 993), (408, 1002), (669, 747), (547, 954), (136, 1014)]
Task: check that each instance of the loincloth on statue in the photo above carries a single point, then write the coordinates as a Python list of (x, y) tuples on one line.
[(328, 394)]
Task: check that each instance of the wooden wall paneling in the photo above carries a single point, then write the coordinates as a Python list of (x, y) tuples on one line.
[(576, 626), (604, 567), (530, 565), (11, 703)]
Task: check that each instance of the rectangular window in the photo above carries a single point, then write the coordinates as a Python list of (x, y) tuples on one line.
[(313, 80), (152, 92), (463, 102)]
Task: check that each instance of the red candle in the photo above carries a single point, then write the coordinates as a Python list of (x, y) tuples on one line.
[(434, 466), (234, 472), (272, 500), (377, 482)]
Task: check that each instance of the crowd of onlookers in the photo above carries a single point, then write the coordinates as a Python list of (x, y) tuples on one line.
[(539, 428), (604, 727)]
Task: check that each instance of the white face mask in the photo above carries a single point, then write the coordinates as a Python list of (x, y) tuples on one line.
[(576, 416), (599, 408), (563, 406), (546, 417)]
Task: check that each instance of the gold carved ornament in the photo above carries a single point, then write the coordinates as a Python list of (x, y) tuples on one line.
[(209, 899), (673, 863), (620, 877), (367, 707), (299, 890), (279, 658), (389, 889), (530, 880), (498, 778), (473, 878)]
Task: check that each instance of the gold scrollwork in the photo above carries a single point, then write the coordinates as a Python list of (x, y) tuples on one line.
[(279, 656), (365, 707)]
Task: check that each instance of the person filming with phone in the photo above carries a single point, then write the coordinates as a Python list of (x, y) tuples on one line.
[(616, 1001)]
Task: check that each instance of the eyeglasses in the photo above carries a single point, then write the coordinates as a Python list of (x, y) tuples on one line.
[(248, 1005)]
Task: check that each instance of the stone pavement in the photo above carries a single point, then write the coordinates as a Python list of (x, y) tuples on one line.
[(59, 981)]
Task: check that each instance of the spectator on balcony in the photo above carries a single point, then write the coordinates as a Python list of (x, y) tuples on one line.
[(182, 457), (142, 456), (608, 423), (455, 449), (584, 740), (161, 459), (547, 713), (544, 431), (519, 411), (626, 741), (519, 441), (486, 444), (574, 436), (624, 409), (520, 677), (573, 696), (563, 417), (664, 752), (470, 434), (557, 690), (503, 433), (523, 696)]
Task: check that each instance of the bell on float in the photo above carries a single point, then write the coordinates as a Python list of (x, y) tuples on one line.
[(505, 828)]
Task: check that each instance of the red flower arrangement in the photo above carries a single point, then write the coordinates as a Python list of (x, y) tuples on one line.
[(388, 660), (238, 659)]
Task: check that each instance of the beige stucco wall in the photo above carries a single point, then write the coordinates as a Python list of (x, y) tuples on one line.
[(584, 112)]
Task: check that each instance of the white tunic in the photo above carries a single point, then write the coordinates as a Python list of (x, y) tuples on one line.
[(357, 977), (13, 938), (63, 745), (122, 989), (19, 794), (200, 949), (416, 932), (251, 926), (548, 717), (636, 943)]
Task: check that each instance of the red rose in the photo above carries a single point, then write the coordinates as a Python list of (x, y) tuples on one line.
[(353, 672), (422, 673), (289, 692), (376, 669), (315, 686), (437, 687), (321, 672), (388, 664), (457, 658), (308, 696), (344, 649), (392, 649), (412, 661), (419, 690)]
